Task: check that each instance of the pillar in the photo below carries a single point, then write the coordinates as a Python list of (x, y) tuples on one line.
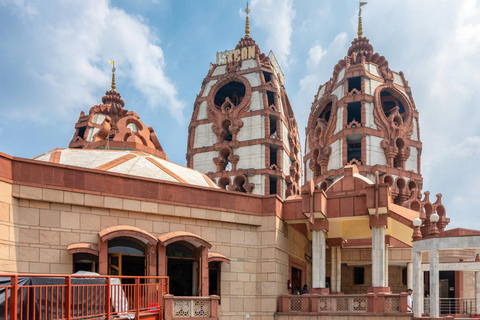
[(386, 265), (409, 275), (477, 291), (339, 269), (434, 282), (204, 271), (318, 258), (417, 284), (333, 269), (378, 257)]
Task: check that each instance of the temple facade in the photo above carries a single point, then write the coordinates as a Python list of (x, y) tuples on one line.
[(237, 221)]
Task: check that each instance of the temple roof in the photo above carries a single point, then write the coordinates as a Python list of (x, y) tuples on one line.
[(135, 163)]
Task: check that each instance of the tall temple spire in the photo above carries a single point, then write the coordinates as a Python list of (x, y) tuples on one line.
[(247, 23), (113, 74), (360, 30)]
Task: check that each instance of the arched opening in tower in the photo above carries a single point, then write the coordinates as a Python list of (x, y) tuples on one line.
[(271, 99), (239, 183), (354, 148), (234, 91), (355, 83), (273, 155), (225, 163), (389, 102), (223, 183), (273, 127), (354, 113), (227, 134), (273, 185), (325, 114)]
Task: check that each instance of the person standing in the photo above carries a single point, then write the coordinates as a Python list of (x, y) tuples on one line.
[(409, 301)]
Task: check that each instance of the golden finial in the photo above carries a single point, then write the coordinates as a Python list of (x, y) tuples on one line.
[(113, 74), (360, 30), (247, 24)]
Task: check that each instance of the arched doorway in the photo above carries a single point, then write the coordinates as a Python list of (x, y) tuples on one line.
[(183, 269), (127, 257)]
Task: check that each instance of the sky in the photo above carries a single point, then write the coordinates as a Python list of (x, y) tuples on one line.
[(54, 64)]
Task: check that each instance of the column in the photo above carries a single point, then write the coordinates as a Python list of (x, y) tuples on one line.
[(434, 282), (318, 258), (339, 269), (378, 257), (417, 284), (333, 269), (386, 265), (409, 275), (477, 290)]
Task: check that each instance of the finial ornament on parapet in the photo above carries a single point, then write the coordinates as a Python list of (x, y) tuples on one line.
[(247, 23), (360, 29), (113, 74)]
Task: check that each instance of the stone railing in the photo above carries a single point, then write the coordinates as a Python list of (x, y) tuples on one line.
[(191, 307), (347, 303)]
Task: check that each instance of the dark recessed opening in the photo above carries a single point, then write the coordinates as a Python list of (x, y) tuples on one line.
[(273, 185), (325, 114), (227, 134), (267, 76), (358, 275), (81, 132), (354, 149), (355, 83), (273, 155), (389, 102), (271, 100), (273, 126), (234, 90), (354, 112)]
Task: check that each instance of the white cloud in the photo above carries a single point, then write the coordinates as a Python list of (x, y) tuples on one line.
[(319, 66), (69, 44), (275, 17)]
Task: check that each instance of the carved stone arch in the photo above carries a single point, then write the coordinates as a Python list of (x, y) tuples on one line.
[(396, 130), (227, 117), (231, 78), (240, 183), (380, 115), (225, 157), (224, 182)]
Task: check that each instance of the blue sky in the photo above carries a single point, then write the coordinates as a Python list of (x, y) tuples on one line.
[(53, 65)]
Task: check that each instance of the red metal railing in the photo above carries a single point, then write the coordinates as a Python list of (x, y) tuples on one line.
[(49, 297)]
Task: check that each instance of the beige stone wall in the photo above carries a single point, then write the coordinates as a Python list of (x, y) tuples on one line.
[(46, 221), (469, 284), (7, 235)]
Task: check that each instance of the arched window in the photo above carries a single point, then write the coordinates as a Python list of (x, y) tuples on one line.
[(389, 102), (126, 257), (85, 262), (325, 114), (234, 91), (182, 268)]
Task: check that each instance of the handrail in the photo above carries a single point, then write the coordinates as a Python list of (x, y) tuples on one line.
[(344, 303), (71, 297)]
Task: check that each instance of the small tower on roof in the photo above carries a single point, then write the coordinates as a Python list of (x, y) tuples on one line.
[(110, 126), (243, 132)]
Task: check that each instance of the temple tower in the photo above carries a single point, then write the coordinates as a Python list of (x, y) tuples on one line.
[(365, 115), (243, 133)]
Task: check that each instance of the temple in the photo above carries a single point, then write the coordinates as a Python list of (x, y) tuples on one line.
[(240, 230)]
